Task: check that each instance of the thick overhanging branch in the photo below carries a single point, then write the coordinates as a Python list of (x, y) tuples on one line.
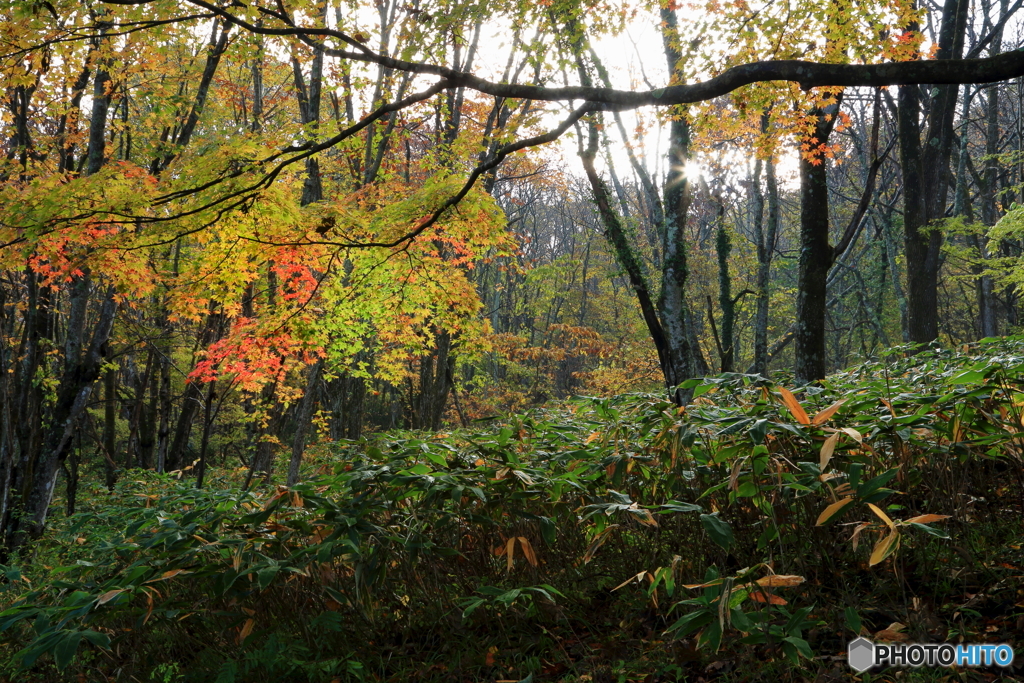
[(276, 22), (808, 75)]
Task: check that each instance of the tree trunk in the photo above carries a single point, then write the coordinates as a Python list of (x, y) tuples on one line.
[(815, 255), (723, 246), (72, 399), (765, 244), (926, 178), (303, 418), (110, 425), (193, 401)]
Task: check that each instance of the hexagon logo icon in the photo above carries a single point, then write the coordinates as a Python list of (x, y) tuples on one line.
[(860, 654)]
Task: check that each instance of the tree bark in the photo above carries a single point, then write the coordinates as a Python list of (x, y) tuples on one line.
[(303, 418), (815, 254)]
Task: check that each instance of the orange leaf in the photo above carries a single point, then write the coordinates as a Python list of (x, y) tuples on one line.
[(888, 405), (794, 406), (890, 635), (825, 414), (246, 630), (776, 580), (528, 553), (168, 575), (770, 598), (510, 550)]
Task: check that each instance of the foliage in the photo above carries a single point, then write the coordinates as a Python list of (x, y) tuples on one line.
[(625, 518)]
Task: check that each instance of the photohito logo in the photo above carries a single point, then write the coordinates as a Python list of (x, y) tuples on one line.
[(862, 654)]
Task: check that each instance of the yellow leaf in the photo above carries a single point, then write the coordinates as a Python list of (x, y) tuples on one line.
[(827, 449), (593, 435), (794, 406), (832, 510), (785, 580), (825, 414), (884, 548), (925, 519), (693, 586), (882, 516), (638, 577), (528, 553)]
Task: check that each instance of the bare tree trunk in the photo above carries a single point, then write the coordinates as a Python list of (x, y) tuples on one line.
[(72, 398), (926, 177), (110, 424), (303, 418), (815, 256), (765, 245)]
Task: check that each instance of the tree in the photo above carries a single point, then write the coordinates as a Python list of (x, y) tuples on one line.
[(192, 193)]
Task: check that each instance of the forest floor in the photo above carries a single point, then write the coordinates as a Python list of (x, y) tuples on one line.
[(747, 537)]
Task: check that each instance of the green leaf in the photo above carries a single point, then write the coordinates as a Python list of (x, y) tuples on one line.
[(852, 620), (939, 533), (741, 621), (470, 606), (227, 673), (691, 622), (718, 529), (801, 645), (64, 650), (265, 576)]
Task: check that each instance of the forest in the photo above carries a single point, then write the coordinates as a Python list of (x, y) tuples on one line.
[(451, 340)]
